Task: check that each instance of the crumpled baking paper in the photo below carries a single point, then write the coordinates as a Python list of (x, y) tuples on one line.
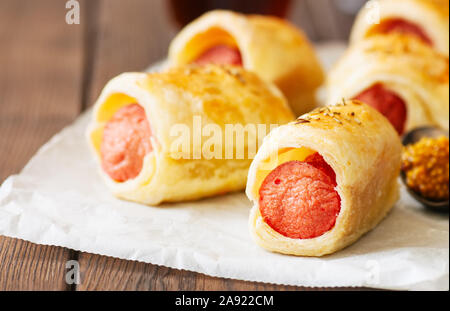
[(59, 199)]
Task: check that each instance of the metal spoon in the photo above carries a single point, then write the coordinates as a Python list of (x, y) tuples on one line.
[(413, 137)]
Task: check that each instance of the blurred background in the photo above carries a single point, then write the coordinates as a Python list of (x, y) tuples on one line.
[(321, 19), (51, 71)]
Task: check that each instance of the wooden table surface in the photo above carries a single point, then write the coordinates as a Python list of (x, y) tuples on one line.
[(50, 72)]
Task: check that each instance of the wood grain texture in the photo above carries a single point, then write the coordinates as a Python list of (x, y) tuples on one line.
[(40, 83), (129, 37), (27, 266), (105, 273), (110, 274), (40, 80)]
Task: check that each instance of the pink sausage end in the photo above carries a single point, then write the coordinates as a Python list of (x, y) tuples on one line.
[(388, 103), (220, 55), (299, 199), (126, 141)]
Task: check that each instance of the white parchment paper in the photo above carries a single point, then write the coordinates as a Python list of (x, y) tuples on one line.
[(59, 199)]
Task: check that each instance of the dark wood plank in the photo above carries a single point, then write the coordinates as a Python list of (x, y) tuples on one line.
[(27, 266), (40, 84), (129, 37), (105, 273), (40, 79)]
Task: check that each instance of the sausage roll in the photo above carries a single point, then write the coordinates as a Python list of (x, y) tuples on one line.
[(320, 183), (426, 20), (268, 46), (403, 78), (152, 134)]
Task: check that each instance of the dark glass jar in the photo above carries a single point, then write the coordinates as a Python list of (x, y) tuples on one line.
[(185, 11)]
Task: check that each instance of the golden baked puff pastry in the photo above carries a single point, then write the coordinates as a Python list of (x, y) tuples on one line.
[(151, 133), (268, 46), (402, 77), (426, 20), (320, 183)]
